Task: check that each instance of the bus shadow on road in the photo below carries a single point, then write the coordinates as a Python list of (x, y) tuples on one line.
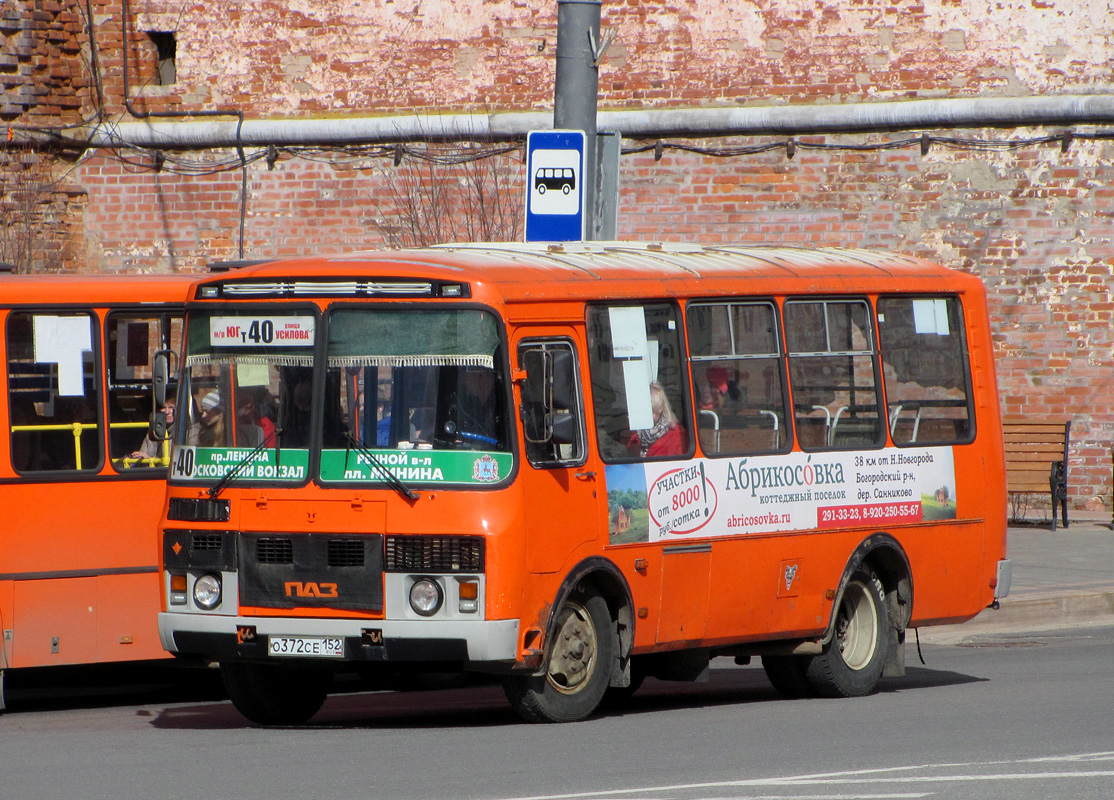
[(484, 705), (84, 686), (467, 707)]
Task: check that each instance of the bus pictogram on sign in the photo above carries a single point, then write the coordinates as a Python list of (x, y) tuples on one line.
[(560, 178)]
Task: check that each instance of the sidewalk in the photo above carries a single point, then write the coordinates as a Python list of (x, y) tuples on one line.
[(1060, 579)]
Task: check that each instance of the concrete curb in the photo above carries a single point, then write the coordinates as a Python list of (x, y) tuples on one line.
[(1031, 611)]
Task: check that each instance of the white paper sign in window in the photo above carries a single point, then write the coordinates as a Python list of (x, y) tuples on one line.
[(630, 347), (931, 316), (64, 341)]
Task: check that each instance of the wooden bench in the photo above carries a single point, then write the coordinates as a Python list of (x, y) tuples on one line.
[(1037, 459)]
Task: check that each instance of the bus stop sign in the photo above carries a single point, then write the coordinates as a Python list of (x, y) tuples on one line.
[(555, 186)]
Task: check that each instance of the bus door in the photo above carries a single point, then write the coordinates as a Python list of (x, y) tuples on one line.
[(564, 495)]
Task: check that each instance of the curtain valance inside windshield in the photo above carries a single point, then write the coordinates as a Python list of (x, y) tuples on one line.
[(410, 337), (270, 360)]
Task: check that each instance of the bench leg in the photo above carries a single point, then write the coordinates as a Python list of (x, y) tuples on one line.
[(1058, 484)]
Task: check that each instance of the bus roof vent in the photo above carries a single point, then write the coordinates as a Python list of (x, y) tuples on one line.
[(342, 287)]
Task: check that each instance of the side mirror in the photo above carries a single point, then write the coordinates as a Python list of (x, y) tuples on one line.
[(549, 402), (562, 379), (535, 402), (160, 374), (563, 427), (158, 425)]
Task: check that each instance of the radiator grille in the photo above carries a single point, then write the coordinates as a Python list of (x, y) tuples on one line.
[(205, 541), (274, 551), (434, 554), (330, 570), (346, 553)]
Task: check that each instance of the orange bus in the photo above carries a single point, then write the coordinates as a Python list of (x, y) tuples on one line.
[(574, 466), (83, 482)]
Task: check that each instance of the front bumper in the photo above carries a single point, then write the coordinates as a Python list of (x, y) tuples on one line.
[(464, 641)]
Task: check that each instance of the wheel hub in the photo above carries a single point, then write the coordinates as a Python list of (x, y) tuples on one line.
[(574, 650)]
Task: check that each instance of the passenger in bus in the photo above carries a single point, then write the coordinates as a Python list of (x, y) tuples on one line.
[(212, 429), (151, 446), (209, 430), (720, 389), (667, 437), (250, 413), (297, 414)]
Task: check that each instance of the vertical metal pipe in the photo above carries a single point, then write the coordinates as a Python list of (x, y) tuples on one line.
[(577, 86)]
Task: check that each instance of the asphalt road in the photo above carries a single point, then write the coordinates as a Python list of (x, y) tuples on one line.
[(1027, 715)]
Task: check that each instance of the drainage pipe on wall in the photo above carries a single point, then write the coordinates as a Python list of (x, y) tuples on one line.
[(999, 112)]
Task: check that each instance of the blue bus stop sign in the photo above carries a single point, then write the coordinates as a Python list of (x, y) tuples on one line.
[(555, 186)]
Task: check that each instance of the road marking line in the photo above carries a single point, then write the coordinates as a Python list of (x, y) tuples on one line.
[(862, 776)]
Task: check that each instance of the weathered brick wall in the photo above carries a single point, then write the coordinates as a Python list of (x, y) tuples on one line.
[(1034, 223), (338, 56), (1047, 261)]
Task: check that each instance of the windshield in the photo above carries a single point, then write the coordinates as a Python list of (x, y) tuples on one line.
[(246, 396), (418, 392)]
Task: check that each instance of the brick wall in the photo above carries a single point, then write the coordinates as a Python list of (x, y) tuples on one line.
[(1035, 223), (1047, 261)]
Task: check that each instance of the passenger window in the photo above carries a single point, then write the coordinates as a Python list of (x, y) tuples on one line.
[(925, 369), (738, 378), (833, 374), (638, 395), (132, 341), (53, 392)]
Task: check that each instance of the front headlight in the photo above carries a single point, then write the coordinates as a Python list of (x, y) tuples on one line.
[(426, 597), (206, 591)]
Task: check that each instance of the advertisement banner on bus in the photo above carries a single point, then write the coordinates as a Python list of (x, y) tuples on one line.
[(797, 491)]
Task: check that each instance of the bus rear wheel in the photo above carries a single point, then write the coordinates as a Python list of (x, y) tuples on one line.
[(270, 694), (852, 661), (577, 668)]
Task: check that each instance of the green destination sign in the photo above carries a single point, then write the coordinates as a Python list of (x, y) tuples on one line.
[(213, 463), (417, 466)]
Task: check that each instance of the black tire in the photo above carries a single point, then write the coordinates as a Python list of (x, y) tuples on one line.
[(269, 694), (852, 661), (789, 675), (578, 666), (618, 696)]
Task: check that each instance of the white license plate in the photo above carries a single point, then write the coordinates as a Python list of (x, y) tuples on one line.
[(306, 646)]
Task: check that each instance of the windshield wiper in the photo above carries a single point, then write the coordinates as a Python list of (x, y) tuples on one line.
[(388, 477), (232, 474)]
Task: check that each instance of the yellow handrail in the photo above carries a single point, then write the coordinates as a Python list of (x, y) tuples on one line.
[(78, 427)]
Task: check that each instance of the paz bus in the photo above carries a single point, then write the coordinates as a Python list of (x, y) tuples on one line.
[(82, 475), (574, 466)]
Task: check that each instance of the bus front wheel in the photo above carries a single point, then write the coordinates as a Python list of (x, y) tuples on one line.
[(577, 669), (852, 661), (269, 694)]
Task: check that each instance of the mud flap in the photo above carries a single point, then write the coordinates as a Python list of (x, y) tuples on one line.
[(895, 660)]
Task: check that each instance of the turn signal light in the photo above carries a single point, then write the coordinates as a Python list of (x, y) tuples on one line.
[(178, 590), (469, 594)]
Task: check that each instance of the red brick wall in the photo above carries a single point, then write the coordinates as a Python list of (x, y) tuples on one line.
[(1034, 223)]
